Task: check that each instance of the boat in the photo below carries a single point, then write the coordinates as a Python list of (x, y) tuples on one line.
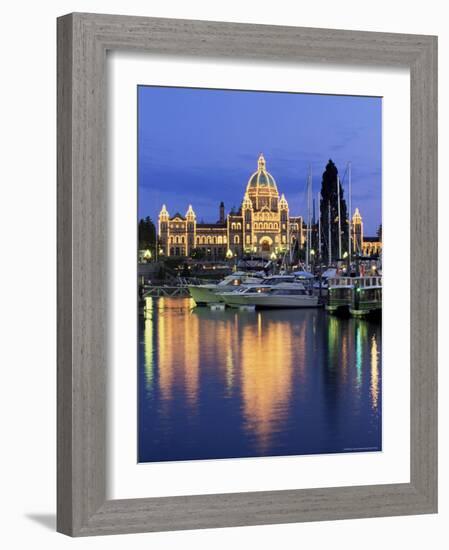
[(279, 296), (339, 295), (204, 294), (357, 296), (303, 275), (366, 297)]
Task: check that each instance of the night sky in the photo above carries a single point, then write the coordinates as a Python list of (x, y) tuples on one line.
[(200, 146)]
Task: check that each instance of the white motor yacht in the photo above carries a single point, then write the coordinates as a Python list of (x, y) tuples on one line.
[(204, 294), (282, 295)]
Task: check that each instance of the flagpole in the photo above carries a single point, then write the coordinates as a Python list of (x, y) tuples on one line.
[(329, 247), (308, 222), (319, 225), (350, 211), (339, 217)]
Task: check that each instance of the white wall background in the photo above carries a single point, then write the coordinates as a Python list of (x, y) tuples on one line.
[(28, 266)]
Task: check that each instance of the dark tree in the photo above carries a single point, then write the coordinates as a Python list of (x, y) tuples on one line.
[(147, 234), (379, 232), (329, 200)]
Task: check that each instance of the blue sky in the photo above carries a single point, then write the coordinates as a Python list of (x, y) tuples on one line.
[(200, 146)]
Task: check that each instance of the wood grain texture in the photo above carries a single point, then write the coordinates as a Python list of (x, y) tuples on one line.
[(83, 40)]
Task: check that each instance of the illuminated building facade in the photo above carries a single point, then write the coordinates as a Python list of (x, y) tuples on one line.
[(362, 245), (262, 225)]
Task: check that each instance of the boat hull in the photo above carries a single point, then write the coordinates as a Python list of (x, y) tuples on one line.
[(341, 310), (374, 311), (204, 295), (272, 302)]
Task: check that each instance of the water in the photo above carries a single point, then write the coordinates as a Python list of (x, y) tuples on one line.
[(224, 384)]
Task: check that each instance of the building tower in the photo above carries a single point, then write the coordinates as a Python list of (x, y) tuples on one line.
[(163, 229), (222, 213), (357, 232), (284, 227), (247, 215), (262, 188), (262, 192), (190, 230)]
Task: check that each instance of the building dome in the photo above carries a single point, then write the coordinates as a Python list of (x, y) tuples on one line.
[(261, 178)]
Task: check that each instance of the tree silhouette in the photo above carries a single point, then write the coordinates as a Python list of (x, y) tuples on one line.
[(329, 199), (379, 232), (147, 234)]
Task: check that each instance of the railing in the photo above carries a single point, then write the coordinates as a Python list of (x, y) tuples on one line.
[(156, 291), (177, 287), (360, 282)]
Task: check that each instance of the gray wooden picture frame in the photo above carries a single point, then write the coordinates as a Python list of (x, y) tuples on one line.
[(83, 40)]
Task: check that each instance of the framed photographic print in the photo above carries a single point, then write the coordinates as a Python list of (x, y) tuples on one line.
[(246, 274), (283, 371)]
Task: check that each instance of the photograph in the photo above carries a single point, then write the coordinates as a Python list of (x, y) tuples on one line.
[(259, 283)]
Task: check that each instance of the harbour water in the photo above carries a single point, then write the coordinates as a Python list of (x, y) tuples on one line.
[(226, 384)]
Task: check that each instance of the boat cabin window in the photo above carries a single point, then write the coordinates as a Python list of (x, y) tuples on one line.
[(254, 289), (235, 281), (288, 292), (277, 280)]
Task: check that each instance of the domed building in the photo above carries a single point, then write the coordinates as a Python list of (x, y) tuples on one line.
[(262, 225), (262, 188)]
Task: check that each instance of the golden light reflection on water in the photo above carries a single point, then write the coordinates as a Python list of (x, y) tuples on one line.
[(230, 366), (360, 341), (266, 374), (374, 373), (148, 344), (261, 361), (178, 349), (261, 352), (225, 341)]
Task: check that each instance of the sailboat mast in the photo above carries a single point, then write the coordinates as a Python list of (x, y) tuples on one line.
[(310, 211), (339, 216), (319, 226), (350, 212), (308, 222), (329, 247)]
